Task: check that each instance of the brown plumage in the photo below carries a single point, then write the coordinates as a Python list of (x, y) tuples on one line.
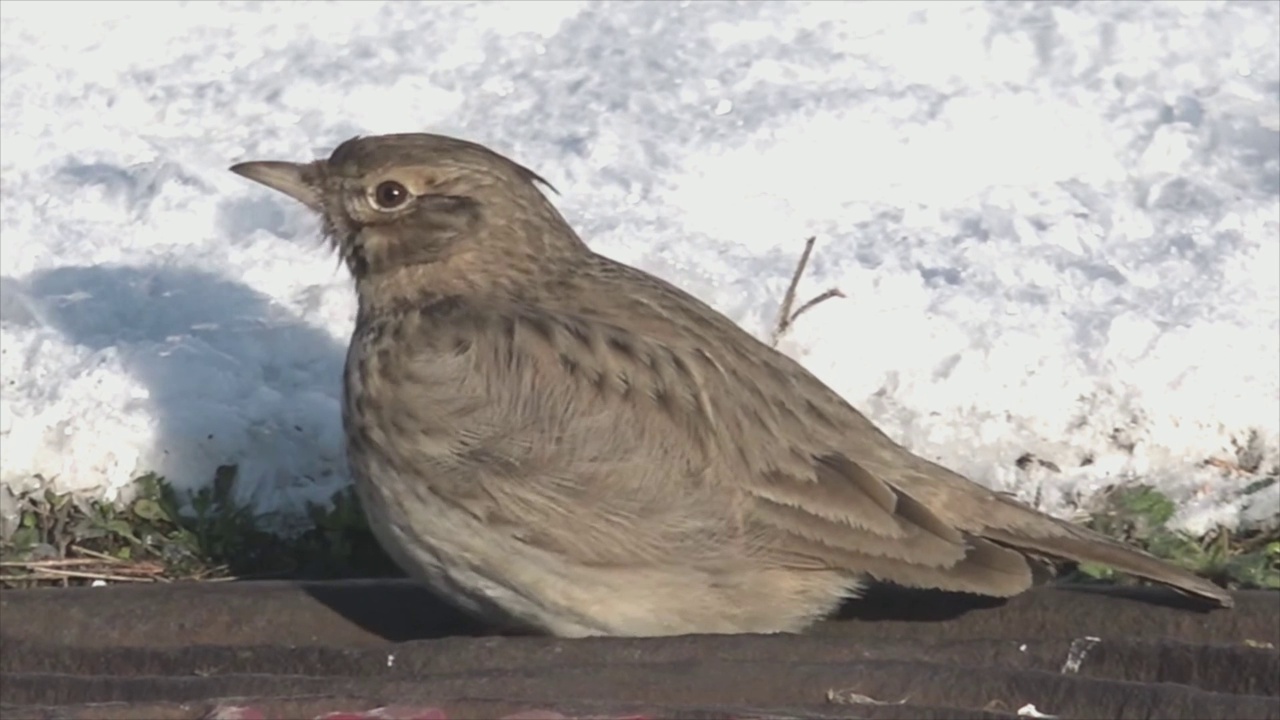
[(568, 444)]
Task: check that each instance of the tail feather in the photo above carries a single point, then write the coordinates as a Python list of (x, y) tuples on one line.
[(1081, 545)]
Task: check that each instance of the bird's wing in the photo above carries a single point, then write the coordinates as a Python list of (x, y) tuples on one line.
[(817, 476), (843, 493), (926, 512)]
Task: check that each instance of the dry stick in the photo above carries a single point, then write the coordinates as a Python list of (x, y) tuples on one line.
[(72, 574), (785, 316), (159, 578), (96, 554), (92, 569), (204, 574), (95, 558), (788, 299), (832, 293), (137, 568), (24, 579), (60, 562)]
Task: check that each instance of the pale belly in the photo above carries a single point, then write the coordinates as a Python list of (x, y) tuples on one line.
[(493, 577), (517, 586)]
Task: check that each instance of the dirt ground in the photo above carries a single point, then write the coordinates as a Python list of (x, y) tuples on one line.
[(388, 649)]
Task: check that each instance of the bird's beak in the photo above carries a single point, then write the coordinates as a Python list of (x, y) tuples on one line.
[(295, 180)]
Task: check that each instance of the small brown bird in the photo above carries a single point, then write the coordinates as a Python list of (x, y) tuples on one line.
[(567, 444)]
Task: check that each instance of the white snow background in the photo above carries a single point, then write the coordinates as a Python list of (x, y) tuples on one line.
[(1056, 224)]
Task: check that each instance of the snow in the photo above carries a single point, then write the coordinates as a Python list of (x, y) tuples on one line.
[(1056, 224)]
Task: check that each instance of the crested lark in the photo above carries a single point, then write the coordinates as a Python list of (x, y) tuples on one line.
[(561, 442)]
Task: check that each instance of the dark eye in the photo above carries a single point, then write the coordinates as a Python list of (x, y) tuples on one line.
[(390, 195)]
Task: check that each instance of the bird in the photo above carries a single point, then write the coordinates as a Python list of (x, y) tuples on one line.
[(564, 444)]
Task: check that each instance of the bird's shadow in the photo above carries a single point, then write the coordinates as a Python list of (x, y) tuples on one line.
[(888, 602), (201, 344), (218, 361), (396, 610), (884, 601)]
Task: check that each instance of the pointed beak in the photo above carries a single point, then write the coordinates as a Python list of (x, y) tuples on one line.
[(295, 180)]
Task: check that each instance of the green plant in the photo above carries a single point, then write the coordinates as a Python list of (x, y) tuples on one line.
[(1139, 515), (161, 535)]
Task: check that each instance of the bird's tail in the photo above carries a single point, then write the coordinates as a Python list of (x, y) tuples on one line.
[(1053, 538)]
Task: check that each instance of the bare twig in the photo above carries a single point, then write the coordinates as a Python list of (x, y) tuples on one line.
[(18, 578), (56, 563), (784, 311), (827, 295), (206, 574), (80, 575), (61, 570), (785, 316), (96, 554)]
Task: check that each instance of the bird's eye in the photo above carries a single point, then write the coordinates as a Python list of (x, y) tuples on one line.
[(390, 195)]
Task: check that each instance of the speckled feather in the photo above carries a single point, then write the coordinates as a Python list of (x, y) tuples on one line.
[(568, 444)]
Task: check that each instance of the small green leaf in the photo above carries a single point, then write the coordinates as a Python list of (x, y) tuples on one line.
[(149, 509), (121, 528), (85, 531), (1151, 504), (25, 538)]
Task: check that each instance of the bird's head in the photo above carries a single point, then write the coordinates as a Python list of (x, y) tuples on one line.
[(396, 203)]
